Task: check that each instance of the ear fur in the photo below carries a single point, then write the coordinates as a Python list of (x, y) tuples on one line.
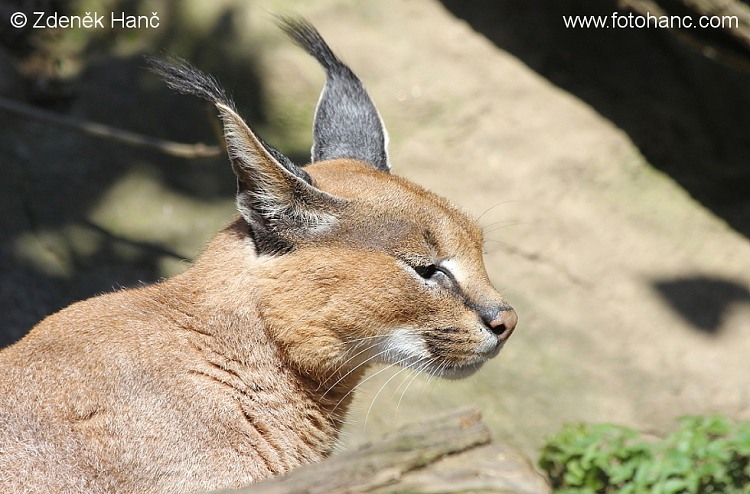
[(276, 198), (347, 124)]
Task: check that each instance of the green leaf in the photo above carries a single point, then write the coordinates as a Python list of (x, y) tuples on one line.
[(672, 486), (703, 455)]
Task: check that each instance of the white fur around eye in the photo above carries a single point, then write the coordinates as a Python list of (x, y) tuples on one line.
[(454, 269)]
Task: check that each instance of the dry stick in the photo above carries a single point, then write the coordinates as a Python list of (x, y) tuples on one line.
[(384, 462), (189, 151)]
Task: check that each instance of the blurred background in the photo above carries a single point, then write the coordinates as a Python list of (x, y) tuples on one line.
[(610, 169)]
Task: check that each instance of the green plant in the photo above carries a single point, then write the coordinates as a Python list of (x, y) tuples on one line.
[(704, 455)]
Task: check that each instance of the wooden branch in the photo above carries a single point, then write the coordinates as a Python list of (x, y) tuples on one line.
[(416, 459), (491, 468), (189, 151), (384, 462)]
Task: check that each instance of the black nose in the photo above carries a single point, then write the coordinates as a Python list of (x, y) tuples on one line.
[(500, 320)]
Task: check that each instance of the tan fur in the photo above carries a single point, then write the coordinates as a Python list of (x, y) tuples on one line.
[(220, 376), (243, 366)]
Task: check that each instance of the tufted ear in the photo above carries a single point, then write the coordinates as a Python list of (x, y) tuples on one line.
[(277, 198), (347, 124)]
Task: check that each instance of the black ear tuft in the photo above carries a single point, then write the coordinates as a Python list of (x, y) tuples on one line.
[(347, 124), (185, 78), (276, 198)]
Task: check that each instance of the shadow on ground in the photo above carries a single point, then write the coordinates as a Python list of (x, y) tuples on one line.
[(51, 180), (702, 301), (688, 114)]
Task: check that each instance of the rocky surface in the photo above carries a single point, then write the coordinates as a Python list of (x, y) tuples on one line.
[(609, 170)]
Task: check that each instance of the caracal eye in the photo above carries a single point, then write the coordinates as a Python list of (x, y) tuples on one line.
[(426, 272)]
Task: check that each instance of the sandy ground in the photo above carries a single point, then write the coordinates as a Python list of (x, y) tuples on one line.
[(611, 194)]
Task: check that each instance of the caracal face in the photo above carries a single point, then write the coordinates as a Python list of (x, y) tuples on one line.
[(404, 281)]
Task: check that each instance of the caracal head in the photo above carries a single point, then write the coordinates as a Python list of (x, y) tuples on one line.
[(399, 278), (350, 263)]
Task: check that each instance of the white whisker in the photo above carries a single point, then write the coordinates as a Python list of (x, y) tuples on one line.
[(367, 415), (502, 203), (369, 359), (341, 366), (415, 373), (499, 225), (372, 375)]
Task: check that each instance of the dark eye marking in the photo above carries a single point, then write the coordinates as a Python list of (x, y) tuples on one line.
[(430, 239), (426, 272), (435, 272)]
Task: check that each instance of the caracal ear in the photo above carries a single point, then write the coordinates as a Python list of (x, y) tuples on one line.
[(276, 197), (347, 124)]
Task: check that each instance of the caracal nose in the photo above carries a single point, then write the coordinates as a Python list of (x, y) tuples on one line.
[(502, 322)]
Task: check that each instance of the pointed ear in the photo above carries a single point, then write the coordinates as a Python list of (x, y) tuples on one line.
[(281, 206), (276, 198), (347, 124)]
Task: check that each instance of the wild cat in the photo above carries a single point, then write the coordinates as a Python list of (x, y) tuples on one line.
[(243, 366)]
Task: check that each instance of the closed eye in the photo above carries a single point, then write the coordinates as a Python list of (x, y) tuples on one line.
[(427, 271)]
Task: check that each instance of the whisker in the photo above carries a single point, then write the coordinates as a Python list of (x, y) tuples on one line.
[(367, 415), (499, 225), (501, 203), (362, 338), (349, 373), (412, 370), (372, 375), (499, 222), (408, 379), (498, 245), (341, 366), (416, 372), (418, 367)]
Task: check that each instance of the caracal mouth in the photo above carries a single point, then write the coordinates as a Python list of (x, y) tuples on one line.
[(457, 371), (453, 371)]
